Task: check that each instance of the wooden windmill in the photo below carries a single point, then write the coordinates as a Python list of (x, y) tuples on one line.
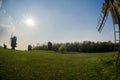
[(112, 6)]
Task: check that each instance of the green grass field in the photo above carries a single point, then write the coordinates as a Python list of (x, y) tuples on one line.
[(50, 65)]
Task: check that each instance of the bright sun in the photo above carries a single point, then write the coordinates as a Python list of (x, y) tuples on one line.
[(30, 22)]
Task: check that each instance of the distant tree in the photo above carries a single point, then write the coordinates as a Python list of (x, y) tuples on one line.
[(68, 46), (29, 47), (13, 42), (62, 48), (111, 46), (41, 47), (49, 46), (55, 46), (4, 45)]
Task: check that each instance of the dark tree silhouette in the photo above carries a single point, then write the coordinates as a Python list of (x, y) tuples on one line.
[(49, 46), (29, 47), (4, 45), (85, 46), (13, 42)]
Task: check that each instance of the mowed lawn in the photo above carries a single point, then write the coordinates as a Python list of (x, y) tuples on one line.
[(50, 65)]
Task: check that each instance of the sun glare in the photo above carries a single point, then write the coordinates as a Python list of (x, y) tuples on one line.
[(30, 22)]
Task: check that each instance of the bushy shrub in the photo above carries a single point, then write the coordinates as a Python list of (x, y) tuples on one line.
[(62, 48)]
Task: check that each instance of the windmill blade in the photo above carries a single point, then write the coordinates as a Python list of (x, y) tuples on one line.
[(101, 22), (11, 38), (103, 16)]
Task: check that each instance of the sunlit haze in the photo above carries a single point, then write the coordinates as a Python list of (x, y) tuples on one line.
[(30, 22)]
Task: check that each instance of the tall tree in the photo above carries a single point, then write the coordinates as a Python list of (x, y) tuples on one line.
[(4, 45), (29, 47), (49, 46)]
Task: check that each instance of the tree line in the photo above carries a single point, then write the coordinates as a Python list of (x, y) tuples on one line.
[(85, 46)]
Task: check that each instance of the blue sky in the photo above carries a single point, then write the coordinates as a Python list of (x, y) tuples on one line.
[(54, 20)]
